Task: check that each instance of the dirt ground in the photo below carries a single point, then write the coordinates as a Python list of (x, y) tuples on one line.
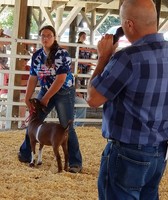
[(20, 182)]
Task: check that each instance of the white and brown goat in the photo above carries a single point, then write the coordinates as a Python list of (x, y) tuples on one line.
[(51, 134)]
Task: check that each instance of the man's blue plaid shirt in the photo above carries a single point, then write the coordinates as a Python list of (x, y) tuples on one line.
[(135, 82)]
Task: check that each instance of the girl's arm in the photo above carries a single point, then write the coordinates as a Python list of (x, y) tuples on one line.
[(55, 87)]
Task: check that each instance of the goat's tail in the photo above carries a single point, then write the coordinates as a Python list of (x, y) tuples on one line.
[(69, 123)]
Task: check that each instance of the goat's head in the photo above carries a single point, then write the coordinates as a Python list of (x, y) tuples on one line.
[(37, 106)]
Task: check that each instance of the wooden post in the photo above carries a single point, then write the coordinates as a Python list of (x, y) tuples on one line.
[(158, 8), (72, 36), (20, 48)]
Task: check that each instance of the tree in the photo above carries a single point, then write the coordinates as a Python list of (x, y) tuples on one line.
[(6, 18), (108, 23)]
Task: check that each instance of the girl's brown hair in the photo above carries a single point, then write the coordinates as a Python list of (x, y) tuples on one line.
[(54, 47)]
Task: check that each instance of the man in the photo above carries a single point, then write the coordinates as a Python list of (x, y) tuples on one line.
[(132, 85)]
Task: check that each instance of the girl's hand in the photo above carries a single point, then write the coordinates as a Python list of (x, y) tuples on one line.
[(44, 101), (29, 105)]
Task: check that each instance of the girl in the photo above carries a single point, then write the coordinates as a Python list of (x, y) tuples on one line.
[(51, 68)]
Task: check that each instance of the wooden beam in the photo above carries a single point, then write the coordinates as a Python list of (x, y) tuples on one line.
[(66, 23), (106, 1), (93, 24), (58, 3), (35, 16), (19, 31), (62, 1), (2, 8), (91, 6), (103, 18), (87, 20), (47, 14), (120, 3), (59, 17), (163, 23), (163, 14), (165, 2), (158, 9)]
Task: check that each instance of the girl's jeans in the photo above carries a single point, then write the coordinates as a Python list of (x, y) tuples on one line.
[(131, 172), (63, 101)]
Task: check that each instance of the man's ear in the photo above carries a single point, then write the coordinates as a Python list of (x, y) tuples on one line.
[(129, 23)]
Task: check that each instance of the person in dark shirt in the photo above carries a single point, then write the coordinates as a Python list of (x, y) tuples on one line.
[(84, 53)]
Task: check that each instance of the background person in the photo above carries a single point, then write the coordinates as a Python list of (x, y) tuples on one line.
[(132, 85), (80, 112), (51, 67), (84, 53)]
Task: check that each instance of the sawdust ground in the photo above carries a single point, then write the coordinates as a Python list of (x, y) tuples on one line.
[(20, 182)]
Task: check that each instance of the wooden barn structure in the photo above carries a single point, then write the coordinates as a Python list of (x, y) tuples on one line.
[(76, 10)]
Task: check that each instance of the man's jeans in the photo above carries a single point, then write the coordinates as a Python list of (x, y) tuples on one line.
[(63, 101), (131, 172)]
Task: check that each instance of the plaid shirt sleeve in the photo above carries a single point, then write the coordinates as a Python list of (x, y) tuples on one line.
[(116, 75)]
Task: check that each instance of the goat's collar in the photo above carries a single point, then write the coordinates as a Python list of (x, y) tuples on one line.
[(30, 114)]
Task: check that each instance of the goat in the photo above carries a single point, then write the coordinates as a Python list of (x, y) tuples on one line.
[(51, 134)]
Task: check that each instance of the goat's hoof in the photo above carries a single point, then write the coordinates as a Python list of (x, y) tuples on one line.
[(59, 170), (39, 163), (66, 169), (31, 164)]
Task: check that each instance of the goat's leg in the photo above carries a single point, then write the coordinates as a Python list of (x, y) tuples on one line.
[(65, 150), (33, 146), (58, 158), (39, 160)]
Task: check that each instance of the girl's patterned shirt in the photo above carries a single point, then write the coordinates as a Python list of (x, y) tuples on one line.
[(46, 75)]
